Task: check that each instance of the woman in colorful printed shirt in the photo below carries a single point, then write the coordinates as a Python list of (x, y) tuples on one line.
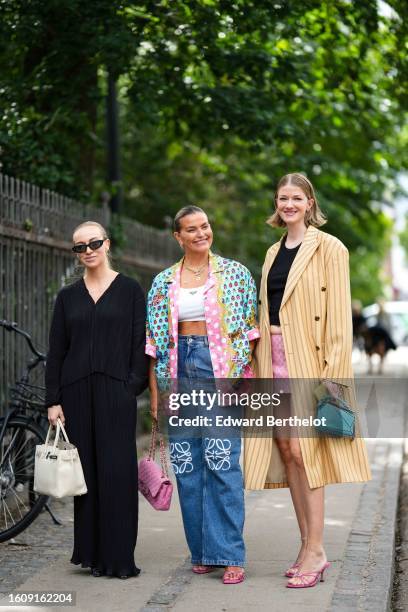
[(201, 324)]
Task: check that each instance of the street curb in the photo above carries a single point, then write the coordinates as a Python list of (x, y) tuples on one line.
[(365, 581), (400, 594)]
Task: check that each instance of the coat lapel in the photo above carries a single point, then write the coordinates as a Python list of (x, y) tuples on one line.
[(173, 282), (309, 245), (215, 268)]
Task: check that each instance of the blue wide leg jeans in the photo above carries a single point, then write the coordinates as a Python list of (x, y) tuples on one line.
[(208, 473)]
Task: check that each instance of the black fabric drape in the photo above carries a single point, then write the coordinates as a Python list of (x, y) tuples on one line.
[(107, 337), (100, 418)]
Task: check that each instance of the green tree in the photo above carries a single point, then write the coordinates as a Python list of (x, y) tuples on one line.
[(218, 99), (403, 237)]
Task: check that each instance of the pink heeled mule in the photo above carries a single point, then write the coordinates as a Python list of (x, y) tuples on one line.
[(308, 579), (291, 571)]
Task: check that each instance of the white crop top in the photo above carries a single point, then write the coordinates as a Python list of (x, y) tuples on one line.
[(191, 304)]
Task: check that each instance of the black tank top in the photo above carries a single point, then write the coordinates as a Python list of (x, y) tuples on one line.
[(277, 278)]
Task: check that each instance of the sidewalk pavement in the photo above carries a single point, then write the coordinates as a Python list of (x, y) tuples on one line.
[(359, 539)]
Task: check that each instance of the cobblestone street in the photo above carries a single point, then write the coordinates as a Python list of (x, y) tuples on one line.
[(38, 546)]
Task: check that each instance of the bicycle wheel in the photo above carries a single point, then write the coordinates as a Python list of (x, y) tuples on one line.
[(19, 503)]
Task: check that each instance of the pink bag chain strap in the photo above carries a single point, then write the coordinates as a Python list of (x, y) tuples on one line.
[(152, 449)]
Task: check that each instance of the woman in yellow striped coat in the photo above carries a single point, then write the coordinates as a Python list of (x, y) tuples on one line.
[(306, 333)]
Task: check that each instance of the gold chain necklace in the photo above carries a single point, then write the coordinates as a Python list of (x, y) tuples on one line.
[(197, 273)]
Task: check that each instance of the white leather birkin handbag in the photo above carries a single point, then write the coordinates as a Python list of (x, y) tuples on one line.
[(57, 469)]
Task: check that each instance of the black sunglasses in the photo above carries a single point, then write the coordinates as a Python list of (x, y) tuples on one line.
[(95, 244)]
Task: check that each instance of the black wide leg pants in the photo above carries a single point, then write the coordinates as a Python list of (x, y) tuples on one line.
[(100, 415)]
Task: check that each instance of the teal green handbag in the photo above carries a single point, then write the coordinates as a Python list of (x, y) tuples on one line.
[(340, 419)]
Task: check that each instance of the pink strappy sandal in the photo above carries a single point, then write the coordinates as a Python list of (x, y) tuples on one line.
[(291, 571), (308, 579), (233, 576)]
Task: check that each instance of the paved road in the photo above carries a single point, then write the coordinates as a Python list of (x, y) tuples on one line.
[(359, 528), (271, 538)]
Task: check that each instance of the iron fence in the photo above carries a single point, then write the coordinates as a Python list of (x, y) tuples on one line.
[(36, 261)]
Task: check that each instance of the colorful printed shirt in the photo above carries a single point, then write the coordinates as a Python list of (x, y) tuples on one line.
[(230, 316)]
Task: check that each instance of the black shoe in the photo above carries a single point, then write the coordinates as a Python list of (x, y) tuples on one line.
[(96, 573), (125, 576)]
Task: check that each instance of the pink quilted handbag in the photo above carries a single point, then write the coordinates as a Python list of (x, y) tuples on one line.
[(154, 482)]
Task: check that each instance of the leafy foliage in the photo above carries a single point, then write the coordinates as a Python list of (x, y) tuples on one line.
[(218, 99), (403, 237)]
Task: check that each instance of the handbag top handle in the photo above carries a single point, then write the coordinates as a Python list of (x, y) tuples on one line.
[(59, 428)]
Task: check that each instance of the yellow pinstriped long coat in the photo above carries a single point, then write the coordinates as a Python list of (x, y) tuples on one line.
[(315, 316)]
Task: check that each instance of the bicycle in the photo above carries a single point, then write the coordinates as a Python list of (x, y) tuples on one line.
[(23, 426)]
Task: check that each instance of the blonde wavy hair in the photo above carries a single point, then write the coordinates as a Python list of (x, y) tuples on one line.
[(314, 216)]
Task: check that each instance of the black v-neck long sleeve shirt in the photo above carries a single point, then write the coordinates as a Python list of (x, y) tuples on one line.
[(107, 336)]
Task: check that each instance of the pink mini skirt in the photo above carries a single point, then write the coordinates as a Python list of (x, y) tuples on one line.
[(281, 383), (279, 366)]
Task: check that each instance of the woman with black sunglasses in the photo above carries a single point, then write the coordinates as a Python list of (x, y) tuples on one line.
[(95, 369)]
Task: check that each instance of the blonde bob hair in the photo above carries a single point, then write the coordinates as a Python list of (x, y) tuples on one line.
[(314, 216)]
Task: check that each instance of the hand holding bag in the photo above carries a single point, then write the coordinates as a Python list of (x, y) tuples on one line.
[(339, 417), (154, 482), (57, 469)]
